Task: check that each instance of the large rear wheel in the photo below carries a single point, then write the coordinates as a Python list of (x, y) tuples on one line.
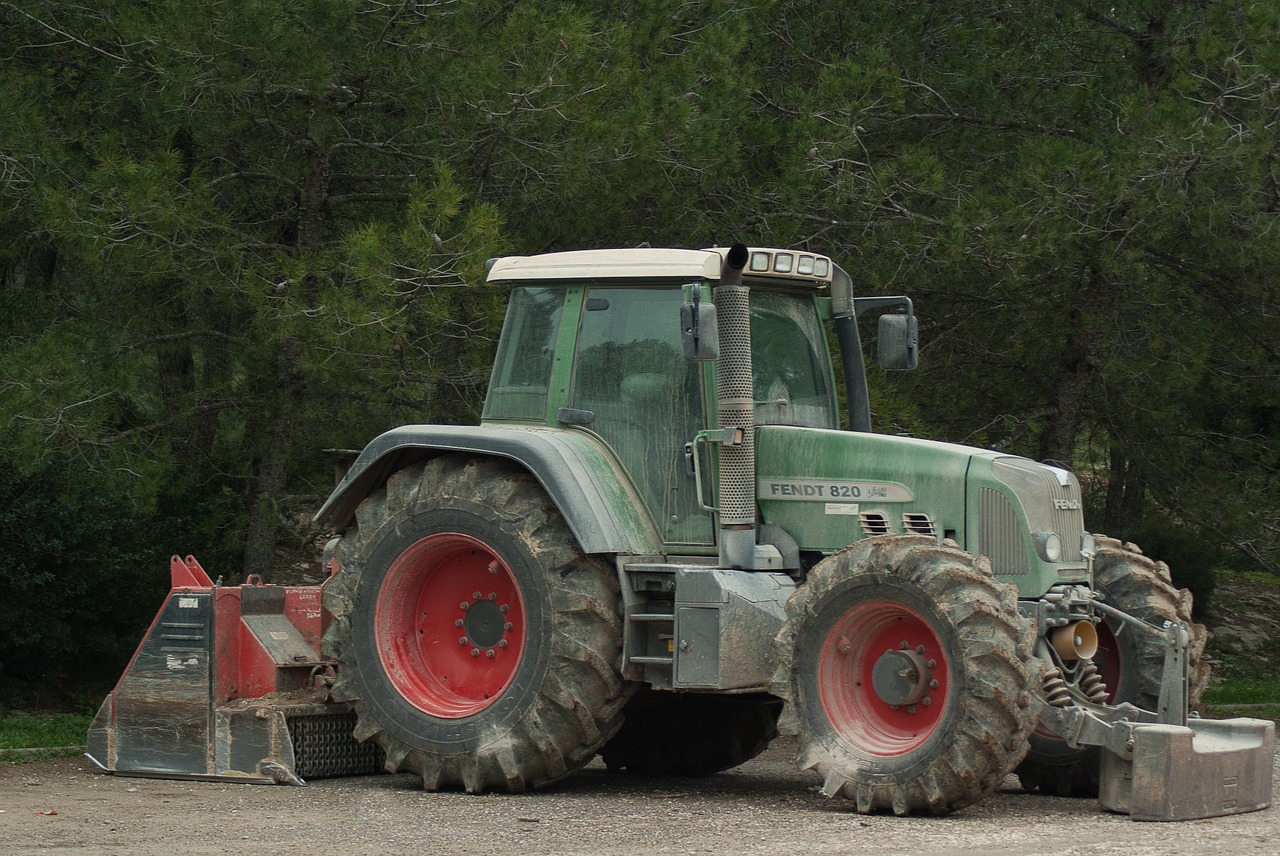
[(908, 669), (477, 644), (1129, 664)]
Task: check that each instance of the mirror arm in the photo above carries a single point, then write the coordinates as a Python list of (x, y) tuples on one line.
[(864, 305), (855, 373)]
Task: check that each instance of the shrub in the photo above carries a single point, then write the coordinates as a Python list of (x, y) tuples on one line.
[(1193, 559), (82, 576)]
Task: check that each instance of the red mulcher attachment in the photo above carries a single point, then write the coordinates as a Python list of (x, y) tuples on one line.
[(229, 683)]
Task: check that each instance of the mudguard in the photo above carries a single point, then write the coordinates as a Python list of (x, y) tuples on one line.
[(583, 480)]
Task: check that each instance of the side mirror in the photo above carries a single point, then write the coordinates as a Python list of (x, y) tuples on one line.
[(898, 342), (699, 331)]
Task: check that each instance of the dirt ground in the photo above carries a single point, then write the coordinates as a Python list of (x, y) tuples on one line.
[(765, 806)]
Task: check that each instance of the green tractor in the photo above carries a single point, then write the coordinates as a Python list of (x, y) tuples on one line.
[(659, 546)]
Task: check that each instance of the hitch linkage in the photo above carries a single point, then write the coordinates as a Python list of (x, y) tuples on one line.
[(1166, 764)]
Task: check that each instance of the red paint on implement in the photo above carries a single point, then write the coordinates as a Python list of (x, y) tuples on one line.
[(450, 625), (849, 654)]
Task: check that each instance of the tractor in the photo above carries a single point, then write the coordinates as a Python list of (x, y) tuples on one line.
[(660, 547)]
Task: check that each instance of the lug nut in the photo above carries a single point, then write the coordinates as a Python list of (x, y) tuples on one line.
[(462, 640), (493, 595), (926, 701), (505, 607), (904, 645), (463, 605), (475, 595), (933, 684), (457, 622), (932, 664), (502, 643), (507, 626), (919, 649), (475, 652), (489, 654)]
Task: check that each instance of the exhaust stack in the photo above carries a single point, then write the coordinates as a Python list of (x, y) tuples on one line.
[(735, 398)]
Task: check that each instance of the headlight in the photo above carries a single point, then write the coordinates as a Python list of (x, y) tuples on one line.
[(1049, 546)]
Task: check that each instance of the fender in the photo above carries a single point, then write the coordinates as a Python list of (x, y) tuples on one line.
[(585, 483)]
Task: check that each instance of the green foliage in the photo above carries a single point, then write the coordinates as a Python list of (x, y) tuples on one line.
[(1083, 204), (237, 235), (83, 577), (37, 731), (1244, 690), (1193, 558)]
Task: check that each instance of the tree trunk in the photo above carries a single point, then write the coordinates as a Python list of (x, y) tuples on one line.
[(1125, 493), (1058, 442), (290, 382), (273, 471)]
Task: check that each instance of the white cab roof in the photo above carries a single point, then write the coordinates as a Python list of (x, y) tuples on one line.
[(609, 264), (654, 263)]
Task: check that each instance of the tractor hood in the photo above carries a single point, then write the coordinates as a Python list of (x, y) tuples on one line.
[(829, 488)]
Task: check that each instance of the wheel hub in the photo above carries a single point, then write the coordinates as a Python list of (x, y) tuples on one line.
[(900, 677), (483, 623)]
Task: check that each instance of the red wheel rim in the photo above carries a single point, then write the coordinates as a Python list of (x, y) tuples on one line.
[(450, 625), (1109, 660), (859, 640)]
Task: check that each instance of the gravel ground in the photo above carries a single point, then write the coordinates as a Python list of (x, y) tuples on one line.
[(764, 806)]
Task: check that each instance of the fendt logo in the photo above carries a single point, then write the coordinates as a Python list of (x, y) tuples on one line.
[(1067, 504)]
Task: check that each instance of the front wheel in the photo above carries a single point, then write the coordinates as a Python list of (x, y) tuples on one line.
[(908, 669), (477, 644)]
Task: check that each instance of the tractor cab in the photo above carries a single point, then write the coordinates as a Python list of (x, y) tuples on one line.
[(630, 380)]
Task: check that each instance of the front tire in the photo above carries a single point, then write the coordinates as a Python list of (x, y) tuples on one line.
[(477, 644), (908, 669)]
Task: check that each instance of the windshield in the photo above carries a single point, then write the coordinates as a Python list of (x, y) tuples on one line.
[(789, 357)]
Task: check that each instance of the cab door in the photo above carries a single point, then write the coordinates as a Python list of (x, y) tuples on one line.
[(645, 399)]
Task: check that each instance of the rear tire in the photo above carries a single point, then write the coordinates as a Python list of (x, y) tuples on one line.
[(477, 644), (691, 734), (1131, 664), (908, 669)]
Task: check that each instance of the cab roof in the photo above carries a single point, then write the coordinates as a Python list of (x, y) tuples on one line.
[(763, 263)]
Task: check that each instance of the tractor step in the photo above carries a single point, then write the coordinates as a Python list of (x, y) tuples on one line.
[(229, 684), (1206, 769)]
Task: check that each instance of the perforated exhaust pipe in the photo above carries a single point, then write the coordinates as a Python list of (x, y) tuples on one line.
[(736, 409)]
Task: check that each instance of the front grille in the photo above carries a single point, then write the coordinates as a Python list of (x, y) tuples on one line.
[(1001, 537), (1050, 505)]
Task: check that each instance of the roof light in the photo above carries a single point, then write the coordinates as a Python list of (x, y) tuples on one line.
[(782, 262), (805, 265), (822, 267), (759, 261)]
